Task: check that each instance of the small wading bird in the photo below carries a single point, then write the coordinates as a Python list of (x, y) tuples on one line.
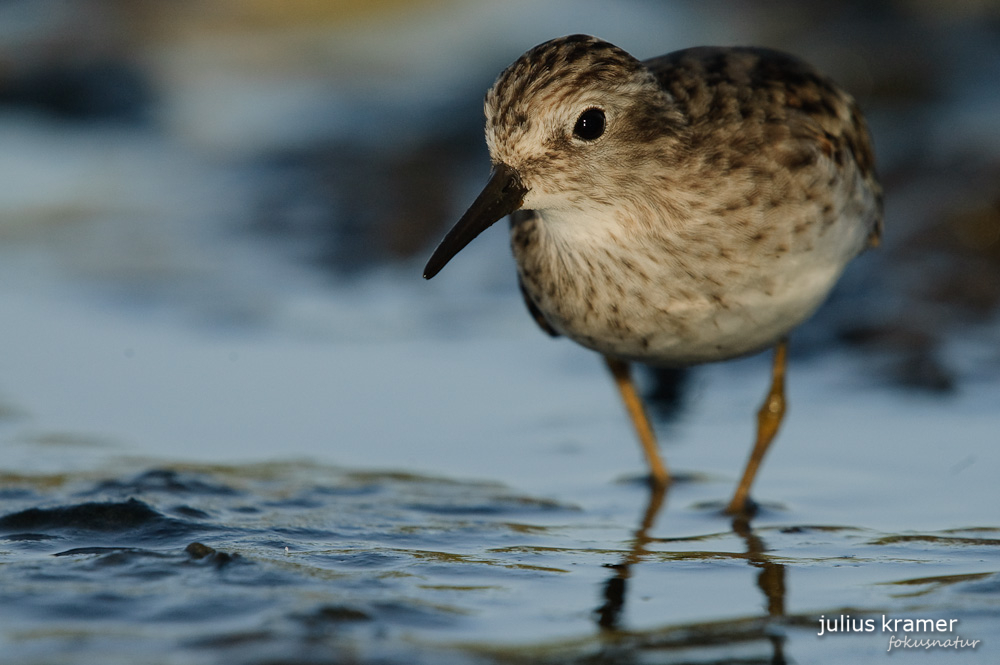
[(686, 209)]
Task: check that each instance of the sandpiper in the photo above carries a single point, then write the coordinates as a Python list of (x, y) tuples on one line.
[(690, 208)]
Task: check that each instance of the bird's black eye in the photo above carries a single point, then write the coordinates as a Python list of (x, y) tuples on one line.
[(590, 125)]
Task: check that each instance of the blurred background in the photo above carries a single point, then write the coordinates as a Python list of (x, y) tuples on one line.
[(212, 172)]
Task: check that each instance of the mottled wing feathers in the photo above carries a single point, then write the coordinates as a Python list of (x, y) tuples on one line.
[(716, 88)]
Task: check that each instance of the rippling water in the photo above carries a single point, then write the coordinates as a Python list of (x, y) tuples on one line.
[(290, 562)]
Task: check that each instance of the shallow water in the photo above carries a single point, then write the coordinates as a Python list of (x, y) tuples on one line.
[(293, 562), (124, 532), (237, 427)]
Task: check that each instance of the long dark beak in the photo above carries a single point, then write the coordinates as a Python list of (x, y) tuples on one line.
[(503, 194)]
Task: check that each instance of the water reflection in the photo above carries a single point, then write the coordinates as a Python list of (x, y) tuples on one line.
[(770, 580), (609, 613)]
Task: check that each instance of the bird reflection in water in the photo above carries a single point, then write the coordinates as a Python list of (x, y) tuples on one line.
[(770, 580)]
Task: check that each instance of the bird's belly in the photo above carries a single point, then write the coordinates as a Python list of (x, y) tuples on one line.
[(674, 299), (670, 320), (699, 332)]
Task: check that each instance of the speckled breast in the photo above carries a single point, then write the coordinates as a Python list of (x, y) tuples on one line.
[(671, 306)]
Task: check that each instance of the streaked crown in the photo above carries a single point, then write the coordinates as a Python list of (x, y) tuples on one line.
[(535, 103)]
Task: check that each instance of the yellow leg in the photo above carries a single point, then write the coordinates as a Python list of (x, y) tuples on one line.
[(623, 379), (768, 421)]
